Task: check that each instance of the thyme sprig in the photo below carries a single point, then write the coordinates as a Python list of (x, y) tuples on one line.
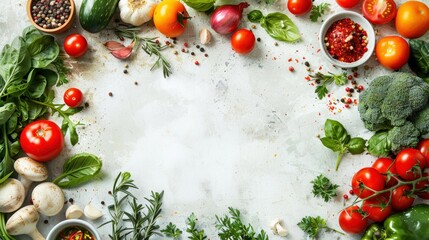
[(149, 45)]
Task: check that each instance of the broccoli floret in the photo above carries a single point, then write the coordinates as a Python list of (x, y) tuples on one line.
[(403, 137), (421, 121)]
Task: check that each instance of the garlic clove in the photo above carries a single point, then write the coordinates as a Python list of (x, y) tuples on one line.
[(205, 36), (91, 212), (74, 212), (114, 45), (273, 225), (281, 231)]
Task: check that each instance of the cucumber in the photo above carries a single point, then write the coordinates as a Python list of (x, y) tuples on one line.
[(95, 15)]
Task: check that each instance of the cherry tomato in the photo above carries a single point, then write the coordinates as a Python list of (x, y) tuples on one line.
[(410, 163), (365, 179), (73, 97), (423, 147), (423, 186), (379, 11), (352, 220), (392, 52), (170, 18), (377, 208), (400, 199), (75, 45), (42, 140), (299, 7), (383, 165), (412, 20), (347, 3), (243, 41)]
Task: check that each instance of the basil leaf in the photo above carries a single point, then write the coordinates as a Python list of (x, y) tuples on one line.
[(331, 144), (356, 145), (255, 16), (379, 145), (78, 170), (280, 27), (419, 58), (336, 131), (200, 5)]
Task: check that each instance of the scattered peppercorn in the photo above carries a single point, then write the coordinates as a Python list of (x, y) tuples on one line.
[(110, 94), (352, 90), (206, 55), (102, 203), (125, 71), (276, 44), (86, 104), (109, 192), (307, 64), (136, 83), (46, 221), (197, 63), (350, 77), (71, 200), (360, 88), (355, 74), (347, 89), (308, 69), (186, 45), (198, 46), (192, 53), (202, 49), (258, 39), (351, 192), (291, 69), (50, 14), (346, 197)]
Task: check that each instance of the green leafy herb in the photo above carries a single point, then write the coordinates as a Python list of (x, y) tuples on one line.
[(79, 169), (318, 10), (200, 5), (3, 233), (196, 234), (338, 140), (313, 225), (277, 25), (231, 227), (379, 144), (322, 80), (172, 231), (419, 58), (322, 187)]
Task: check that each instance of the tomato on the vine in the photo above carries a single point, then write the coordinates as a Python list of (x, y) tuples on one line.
[(410, 163), (423, 147), (299, 7), (392, 52), (401, 199), (377, 208), (352, 220), (347, 3), (423, 187), (42, 140), (366, 181), (170, 18), (75, 45), (384, 165), (243, 41), (379, 11), (73, 97), (412, 20)]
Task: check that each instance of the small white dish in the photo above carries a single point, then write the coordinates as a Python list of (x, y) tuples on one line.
[(71, 223), (357, 18)]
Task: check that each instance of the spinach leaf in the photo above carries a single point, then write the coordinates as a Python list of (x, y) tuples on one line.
[(43, 50), (6, 112), (79, 169), (200, 5), (379, 145), (277, 25), (419, 58)]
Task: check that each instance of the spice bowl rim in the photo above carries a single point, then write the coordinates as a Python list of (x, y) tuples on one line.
[(70, 223), (355, 17), (67, 24)]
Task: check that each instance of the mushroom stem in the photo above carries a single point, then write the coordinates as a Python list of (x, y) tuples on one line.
[(30, 171), (26, 183), (24, 221), (36, 235)]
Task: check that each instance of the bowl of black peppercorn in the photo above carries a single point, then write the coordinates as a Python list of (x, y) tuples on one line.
[(51, 16)]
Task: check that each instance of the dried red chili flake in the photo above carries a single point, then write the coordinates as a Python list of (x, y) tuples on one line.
[(308, 78), (289, 60), (320, 68)]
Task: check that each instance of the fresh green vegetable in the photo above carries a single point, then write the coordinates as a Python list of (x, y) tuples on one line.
[(172, 231), (95, 15), (313, 225), (396, 104), (79, 169), (278, 25), (419, 58), (201, 5), (3, 233), (231, 227), (322, 80), (322, 187), (413, 223), (338, 140), (196, 234), (318, 10), (29, 68)]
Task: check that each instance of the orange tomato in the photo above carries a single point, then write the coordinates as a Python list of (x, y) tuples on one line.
[(392, 52), (412, 19), (170, 18)]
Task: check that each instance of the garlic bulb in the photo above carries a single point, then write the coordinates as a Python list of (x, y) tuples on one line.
[(136, 12)]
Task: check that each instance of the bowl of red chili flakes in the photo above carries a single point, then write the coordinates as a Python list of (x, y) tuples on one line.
[(347, 39)]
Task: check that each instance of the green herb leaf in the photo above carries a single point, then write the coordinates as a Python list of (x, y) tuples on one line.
[(322, 187), (318, 10), (322, 80), (419, 57), (79, 169), (277, 25), (321, 91), (312, 225), (200, 5), (336, 131), (330, 143), (6, 112), (196, 234), (379, 145), (172, 231), (356, 145), (255, 16)]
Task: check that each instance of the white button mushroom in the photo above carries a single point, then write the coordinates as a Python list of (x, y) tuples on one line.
[(74, 212), (12, 195), (24, 221), (48, 198), (30, 171)]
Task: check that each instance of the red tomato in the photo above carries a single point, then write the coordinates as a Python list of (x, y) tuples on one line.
[(42, 140), (73, 97), (423, 186), (299, 7), (347, 3), (400, 199), (423, 147), (377, 208), (352, 220), (366, 179), (75, 45), (410, 163), (392, 52), (384, 165), (379, 11), (243, 41)]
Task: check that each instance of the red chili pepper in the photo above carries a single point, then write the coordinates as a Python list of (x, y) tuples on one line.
[(78, 235)]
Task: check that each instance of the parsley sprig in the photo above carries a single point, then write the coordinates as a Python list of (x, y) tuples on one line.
[(318, 10), (322, 80), (313, 225), (196, 234), (172, 231), (322, 187)]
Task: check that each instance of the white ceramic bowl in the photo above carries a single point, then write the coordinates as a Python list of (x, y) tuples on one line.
[(357, 18), (70, 223)]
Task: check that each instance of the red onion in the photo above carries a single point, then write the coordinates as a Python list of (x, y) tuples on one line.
[(225, 19)]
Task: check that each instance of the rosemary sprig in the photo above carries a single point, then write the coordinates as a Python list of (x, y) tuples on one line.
[(149, 45)]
